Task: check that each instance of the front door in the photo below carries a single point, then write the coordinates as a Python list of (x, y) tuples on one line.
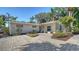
[(49, 28)]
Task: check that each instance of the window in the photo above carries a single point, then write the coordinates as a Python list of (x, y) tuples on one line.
[(60, 28), (34, 26), (19, 25), (19, 28)]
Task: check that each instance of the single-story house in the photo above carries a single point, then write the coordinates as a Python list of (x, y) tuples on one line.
[(23, 27)]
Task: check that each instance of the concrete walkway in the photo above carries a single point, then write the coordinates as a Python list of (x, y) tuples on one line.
[(43, 42)]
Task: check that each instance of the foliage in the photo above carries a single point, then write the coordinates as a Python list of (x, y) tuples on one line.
[(1, 21), (42, 17), (75, 31), (32, 19), (5, 19), (6, 30), (76, 26), (66, 21), (76, 22), (46, 17), (32, 34), (58, 12), (76, 13), (12, 18), (61, 11)]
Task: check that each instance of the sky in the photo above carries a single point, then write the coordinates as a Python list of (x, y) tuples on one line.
[(23, 13)]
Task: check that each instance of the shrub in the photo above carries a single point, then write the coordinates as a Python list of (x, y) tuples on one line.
[(32, 34), (6, 30), (75, 31)]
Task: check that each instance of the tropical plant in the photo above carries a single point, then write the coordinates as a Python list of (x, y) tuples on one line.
[(67, 21), (6, 19), (58, 12), (76, 13), (1, 21), (10, 18), (32, 19), (6, 30)]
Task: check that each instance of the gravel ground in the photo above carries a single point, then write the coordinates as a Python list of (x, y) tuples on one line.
[(43, 42)]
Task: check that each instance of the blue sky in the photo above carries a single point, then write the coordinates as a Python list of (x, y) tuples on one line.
[(23, 13)]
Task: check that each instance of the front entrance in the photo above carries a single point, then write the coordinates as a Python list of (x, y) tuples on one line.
[(49, 28)]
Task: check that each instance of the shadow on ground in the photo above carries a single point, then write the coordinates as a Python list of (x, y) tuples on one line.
[(49, 47), (39, 47)]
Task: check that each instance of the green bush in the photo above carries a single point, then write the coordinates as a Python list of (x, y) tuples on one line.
[(6, 30), (75, 31)]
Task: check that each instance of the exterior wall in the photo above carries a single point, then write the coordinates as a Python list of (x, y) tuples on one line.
[(29, 28), (60, 27), (36, 29), (55, 26), (44, 28), (24, 29), (12, 28)]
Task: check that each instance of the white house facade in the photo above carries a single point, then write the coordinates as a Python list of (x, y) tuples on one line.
[(23, 27)]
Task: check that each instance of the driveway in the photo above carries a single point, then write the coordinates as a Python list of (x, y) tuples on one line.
[(43, 42)]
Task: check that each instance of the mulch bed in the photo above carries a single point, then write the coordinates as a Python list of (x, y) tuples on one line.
[(32, 35), (63, 38), (75, 33)]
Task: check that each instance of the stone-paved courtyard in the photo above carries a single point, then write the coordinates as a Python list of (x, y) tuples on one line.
[(43, 42)]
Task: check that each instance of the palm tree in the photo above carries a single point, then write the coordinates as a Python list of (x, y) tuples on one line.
[(10, 18), (32, 19), (58, 12), (52, 14), (70, 11), (76, 16), (76, 13)]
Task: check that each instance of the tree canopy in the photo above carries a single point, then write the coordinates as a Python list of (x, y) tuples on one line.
[(42, 17), (1, 21), (67, 21)]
